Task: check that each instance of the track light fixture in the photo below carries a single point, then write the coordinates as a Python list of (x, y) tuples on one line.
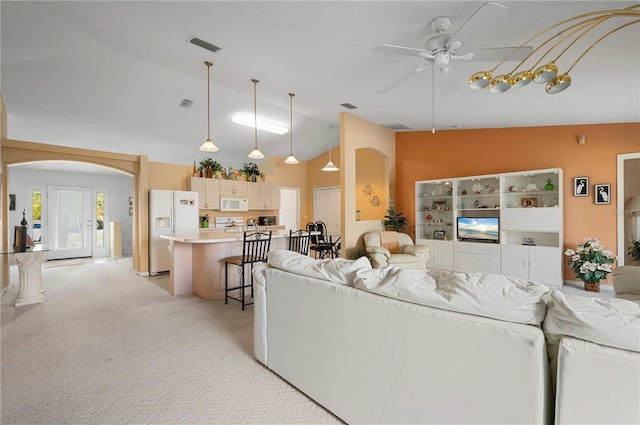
[(570, 31), (208, 145)]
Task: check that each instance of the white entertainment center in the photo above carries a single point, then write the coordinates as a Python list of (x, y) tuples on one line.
[(508, 223)]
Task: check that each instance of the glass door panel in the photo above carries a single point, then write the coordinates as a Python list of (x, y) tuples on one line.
[(70, 222)]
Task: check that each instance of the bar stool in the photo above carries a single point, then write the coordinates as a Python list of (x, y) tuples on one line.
[(299, 241), (255, 247)]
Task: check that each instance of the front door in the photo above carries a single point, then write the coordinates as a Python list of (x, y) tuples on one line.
[(327, 208), (69, 222)]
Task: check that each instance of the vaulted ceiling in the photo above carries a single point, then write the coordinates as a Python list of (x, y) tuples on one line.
[(111, 75)]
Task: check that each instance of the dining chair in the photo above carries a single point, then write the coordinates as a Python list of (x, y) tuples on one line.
[(299, 241)]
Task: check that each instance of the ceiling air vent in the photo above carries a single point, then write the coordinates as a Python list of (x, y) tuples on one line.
[(204, 44), (396, 126), (348, 106), (186, 103)]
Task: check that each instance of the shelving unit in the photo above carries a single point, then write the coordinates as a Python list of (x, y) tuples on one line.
[(531, 225), (434, 221), (529, 207)]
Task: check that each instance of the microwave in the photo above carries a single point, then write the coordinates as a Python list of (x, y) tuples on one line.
[(234, 204)]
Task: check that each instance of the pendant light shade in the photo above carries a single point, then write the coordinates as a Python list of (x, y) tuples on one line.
[(255, 153), (291, 159), (208, 145), (330, 165)]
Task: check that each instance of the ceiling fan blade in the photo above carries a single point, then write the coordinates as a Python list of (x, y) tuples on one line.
[(498, 53), (465, 57), (398, 50), (447, 81), (451, 40), (401, 79)]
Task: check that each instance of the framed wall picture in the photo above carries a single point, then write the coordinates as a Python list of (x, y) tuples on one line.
[(12, 202), (581, 186), (602, 194), (438, 234)]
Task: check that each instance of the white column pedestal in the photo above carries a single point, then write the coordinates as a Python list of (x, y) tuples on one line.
[(30, 277)]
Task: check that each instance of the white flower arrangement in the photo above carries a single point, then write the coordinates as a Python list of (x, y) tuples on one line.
[(590, 261)]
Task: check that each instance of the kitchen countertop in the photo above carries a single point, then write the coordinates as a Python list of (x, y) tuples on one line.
[(215, 236)]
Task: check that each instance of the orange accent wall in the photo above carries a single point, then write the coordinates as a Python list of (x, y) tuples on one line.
[(425, 156)]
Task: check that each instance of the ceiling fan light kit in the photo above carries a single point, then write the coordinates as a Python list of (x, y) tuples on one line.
[(208, 145), (578, 27)]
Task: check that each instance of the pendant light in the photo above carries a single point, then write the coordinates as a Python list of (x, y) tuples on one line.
[(291, 159), (208, 145), (330, 165), (255, 153)]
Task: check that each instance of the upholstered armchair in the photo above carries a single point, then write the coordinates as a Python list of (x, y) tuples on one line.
[(395, 249), (626, 283)]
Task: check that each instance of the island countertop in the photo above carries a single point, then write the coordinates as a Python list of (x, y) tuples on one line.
[(215, 236), (197, 260)]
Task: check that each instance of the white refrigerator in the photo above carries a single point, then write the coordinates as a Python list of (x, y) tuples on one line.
[(170, 211)]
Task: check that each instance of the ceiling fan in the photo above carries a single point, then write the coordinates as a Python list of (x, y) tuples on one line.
[(442, 49)]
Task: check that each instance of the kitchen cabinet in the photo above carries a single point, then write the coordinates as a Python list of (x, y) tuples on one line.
[(208, 192), (263, 196)]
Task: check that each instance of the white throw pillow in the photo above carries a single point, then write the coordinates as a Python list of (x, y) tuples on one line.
[(612, 321), (338, 270), (495, 296)]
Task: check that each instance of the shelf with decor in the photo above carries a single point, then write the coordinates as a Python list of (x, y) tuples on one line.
[(531, 189), (477, 192)]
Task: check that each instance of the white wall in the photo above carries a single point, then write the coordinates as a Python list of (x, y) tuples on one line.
[(120, 189)]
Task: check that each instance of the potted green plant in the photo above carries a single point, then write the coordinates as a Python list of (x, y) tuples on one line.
[(591, 263), (251, 171), (634, 252), (394, 220), (210, 168)]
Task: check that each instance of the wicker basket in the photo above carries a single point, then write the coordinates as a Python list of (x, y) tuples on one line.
[(591, 287)]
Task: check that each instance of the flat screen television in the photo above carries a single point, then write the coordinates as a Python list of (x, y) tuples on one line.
[(479, 229)]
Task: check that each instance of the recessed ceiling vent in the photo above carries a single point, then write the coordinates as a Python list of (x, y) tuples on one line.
[(204, 44), (396, 126), (186, 103), (348, 106)]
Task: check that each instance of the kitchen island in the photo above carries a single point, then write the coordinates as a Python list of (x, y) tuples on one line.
[(197, 261)]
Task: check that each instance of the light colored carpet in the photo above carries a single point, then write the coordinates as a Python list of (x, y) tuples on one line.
[(109, 347)]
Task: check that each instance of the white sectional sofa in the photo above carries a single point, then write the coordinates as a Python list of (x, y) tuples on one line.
[(594, 351), (374, 359), (409, 346)]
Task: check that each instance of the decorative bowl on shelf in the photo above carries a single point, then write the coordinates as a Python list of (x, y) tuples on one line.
[(531, 187)]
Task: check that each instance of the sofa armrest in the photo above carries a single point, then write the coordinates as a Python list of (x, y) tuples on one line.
[(415, 250), (378, 250), (379, 256)]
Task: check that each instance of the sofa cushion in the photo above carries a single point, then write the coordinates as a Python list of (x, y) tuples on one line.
[(611, 321), (338, 270), (494, 296)]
